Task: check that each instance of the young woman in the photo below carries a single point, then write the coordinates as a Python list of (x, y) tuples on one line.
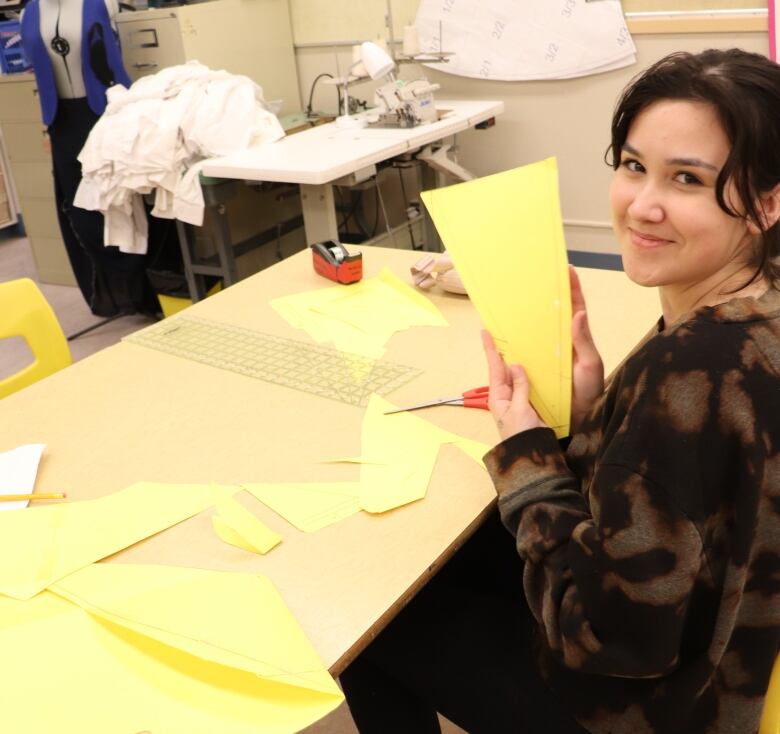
[(648, 550)]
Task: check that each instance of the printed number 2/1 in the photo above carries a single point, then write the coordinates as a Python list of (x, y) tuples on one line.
[(552, 51)]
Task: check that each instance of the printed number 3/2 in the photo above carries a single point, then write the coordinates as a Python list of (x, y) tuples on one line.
[(552, 51)]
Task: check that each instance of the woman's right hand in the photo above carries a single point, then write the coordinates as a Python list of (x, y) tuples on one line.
[(587, 376)]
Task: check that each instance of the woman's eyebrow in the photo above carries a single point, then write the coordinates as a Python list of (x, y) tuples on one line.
[(693, 162)]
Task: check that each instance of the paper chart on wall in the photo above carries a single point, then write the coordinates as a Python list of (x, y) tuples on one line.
[(535, 39)]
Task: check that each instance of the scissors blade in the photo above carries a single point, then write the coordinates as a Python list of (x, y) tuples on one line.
[(427, 404)]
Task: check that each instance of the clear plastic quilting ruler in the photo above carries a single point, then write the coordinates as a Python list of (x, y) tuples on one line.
[(312, 368)]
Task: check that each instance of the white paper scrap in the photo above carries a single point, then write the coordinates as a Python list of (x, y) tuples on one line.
[(18, 469)]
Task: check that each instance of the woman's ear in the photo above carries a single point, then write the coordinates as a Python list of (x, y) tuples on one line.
[(769, 211)]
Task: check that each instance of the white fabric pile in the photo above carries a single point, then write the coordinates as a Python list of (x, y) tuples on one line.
[(152, 139)]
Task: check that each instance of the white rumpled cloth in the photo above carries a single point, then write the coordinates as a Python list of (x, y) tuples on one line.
[(153, 137)]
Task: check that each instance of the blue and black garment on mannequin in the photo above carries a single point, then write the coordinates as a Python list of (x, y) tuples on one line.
[(112, 282)]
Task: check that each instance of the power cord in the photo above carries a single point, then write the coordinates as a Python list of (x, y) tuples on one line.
[(406, 205), (311, 92)]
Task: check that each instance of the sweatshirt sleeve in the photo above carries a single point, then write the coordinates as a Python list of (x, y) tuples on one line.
[(608, 578)]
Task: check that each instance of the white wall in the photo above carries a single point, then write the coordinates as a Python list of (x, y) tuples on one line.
[(568, 118)]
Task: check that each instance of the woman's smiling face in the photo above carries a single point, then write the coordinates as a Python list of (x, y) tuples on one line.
[(664, 210)]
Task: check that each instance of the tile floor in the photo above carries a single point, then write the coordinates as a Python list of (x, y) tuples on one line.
[(16, 261)]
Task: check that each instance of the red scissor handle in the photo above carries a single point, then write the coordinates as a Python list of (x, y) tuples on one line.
[(477, 398)]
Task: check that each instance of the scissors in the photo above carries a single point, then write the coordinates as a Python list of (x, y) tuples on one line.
[(476, 398)]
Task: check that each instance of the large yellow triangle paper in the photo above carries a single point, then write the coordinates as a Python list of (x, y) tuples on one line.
[(39, 545), (125, 648), (505, 236)]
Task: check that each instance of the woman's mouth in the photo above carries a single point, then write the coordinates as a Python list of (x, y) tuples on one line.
[(645, 240)]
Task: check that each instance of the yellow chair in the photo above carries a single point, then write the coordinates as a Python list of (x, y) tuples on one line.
[(171, 305), (770, 719), (25, 312)]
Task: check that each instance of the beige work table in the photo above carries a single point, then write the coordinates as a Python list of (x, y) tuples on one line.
[(129, 413)]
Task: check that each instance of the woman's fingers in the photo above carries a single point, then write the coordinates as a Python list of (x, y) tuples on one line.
[(509, 393), (520, 386), (582, 339), (577, 297), (497, 370)]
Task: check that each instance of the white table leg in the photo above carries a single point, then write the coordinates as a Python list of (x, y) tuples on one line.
[(319, 213), (431, 179)]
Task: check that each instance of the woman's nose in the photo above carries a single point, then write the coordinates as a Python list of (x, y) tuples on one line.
[(647, 203)]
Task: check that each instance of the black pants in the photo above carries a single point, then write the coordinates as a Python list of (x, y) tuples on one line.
[(462, 647), (111, 281)]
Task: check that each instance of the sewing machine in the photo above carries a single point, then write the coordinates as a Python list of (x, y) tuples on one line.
[(404, 104)]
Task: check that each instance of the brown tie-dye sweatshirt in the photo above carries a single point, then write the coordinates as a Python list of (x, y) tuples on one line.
[(652, 544)]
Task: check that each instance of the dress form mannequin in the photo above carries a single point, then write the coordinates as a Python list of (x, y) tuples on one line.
[(76, 57), (61, 32)]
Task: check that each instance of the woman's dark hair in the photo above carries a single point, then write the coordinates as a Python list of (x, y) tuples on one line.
[(744, 90)]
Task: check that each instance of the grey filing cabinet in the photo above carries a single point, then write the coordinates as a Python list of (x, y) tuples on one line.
[(249, 37), (29, 154), (8, 204)]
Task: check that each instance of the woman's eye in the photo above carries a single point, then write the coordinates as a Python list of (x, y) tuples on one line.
[(687, 178), (631, 165)]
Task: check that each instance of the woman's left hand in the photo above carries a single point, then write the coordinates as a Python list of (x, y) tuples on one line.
[(509, 390)]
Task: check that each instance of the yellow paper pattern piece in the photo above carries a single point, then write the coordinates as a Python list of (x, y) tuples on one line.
[(236, 525), (400, 452), (39, 545), (383, 305), (505, 235), (360, 317), (309, 506), (397, 460), (160, 649)]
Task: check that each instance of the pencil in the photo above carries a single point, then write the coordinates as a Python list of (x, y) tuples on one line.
[(39, 496)]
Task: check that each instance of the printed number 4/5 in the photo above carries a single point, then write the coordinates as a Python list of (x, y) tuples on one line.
[(552, 51)]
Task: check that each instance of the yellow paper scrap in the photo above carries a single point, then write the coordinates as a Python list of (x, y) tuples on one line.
[(39, 545), (159, 649), (309, 506), (397, 460), (400, 452), (475, 449), (505, 236), (360, 317), (236, 525), (324, 329), (383, 305)]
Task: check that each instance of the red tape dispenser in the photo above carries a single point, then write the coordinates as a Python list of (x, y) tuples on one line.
[(331, 260)]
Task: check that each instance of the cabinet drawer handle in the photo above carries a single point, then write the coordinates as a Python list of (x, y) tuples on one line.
[(145, 66)]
